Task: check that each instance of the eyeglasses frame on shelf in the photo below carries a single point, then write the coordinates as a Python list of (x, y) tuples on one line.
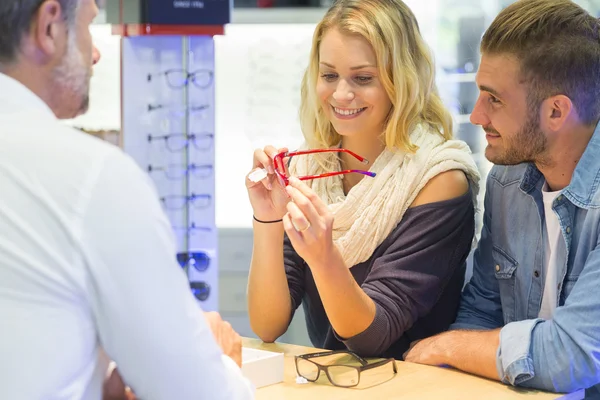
[(191, 199), (186, 140), (189, 77), (185, 168), (189, 109), (197, 286), (192, 227), (201, 260)]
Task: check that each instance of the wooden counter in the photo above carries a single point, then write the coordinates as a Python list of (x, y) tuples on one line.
[(412, 381)]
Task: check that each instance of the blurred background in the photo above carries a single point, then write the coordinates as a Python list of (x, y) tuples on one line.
[(259, 63)]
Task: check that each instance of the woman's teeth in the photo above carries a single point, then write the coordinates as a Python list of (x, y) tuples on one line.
[(348, 112)]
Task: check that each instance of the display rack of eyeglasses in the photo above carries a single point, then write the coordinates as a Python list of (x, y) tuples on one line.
[(168, 126)]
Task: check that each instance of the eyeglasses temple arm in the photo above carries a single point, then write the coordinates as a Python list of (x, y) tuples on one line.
[(332, 352), (353, 154), (323, 353), (348, 171), (378, 364)]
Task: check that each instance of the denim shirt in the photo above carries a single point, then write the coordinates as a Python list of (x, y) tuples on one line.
[(561, 354)]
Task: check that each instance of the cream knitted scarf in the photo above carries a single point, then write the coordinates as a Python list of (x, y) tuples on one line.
[(375, 206)]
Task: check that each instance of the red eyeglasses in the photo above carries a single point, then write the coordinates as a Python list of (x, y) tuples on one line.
[(284, 179)]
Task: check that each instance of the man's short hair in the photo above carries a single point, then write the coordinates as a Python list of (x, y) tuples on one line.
[(557, 44), (15, 20)]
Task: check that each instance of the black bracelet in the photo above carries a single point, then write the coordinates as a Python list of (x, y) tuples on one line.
[(266, 222)]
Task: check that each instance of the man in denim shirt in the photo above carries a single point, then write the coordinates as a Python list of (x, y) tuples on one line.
[(530, 315)]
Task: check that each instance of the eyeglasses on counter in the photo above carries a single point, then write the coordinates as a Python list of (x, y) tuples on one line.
[(344, 368)]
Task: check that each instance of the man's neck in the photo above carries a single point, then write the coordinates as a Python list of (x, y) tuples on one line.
[(564, 156)]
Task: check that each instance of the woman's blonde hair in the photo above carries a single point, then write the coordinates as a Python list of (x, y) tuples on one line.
[(406, 70)]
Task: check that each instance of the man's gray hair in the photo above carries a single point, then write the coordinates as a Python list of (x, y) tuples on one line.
[(15, 20)]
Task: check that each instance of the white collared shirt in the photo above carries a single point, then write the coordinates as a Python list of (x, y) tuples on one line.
[(87, 262)]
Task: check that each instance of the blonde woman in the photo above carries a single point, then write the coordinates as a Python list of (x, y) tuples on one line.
[(377, 261)]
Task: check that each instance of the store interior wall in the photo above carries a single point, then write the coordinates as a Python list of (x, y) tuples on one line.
[(259, 63)]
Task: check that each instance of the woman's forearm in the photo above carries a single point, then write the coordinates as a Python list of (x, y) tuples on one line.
[(269, 302), (348, 307)]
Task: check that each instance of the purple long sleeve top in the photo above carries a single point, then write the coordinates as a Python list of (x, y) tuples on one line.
[(414, 277)]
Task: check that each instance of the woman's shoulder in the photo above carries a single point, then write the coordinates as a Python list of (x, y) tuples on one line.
[(442, 187), (437, 213)]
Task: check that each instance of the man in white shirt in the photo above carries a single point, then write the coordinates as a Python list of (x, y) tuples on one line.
[(87, 257)]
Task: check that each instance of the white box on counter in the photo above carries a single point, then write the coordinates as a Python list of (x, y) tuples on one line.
[(262, 367)]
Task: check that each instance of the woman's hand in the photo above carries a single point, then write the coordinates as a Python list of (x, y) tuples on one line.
[(267, 197), (115, 389), (308, 223)]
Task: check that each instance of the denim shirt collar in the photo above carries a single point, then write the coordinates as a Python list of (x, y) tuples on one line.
[(531, 178), (585, 180)]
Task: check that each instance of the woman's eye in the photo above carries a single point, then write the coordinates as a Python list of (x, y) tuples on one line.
[(364, 79), (329, 77)]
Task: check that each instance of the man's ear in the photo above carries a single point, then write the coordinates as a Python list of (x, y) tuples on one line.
[(555, 111), (47, 34)]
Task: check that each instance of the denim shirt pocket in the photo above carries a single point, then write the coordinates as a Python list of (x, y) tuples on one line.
[(504, 270)]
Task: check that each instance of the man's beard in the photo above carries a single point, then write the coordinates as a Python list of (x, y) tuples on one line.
[(528, 145), (72, 81)]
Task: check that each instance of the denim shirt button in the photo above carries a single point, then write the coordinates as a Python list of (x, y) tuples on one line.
[(559, 198), (497, 268), (568, 229), (536, 274)]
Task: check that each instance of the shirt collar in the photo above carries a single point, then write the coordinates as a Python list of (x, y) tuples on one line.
[(531, 178), (586, 177), (17, 98), (585, 181)]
